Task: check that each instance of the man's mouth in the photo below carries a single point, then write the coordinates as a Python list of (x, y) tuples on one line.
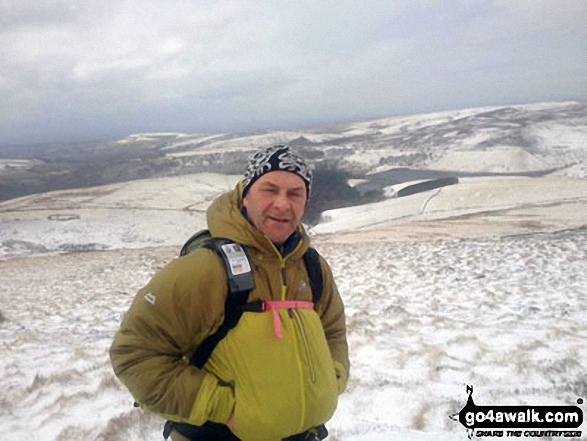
[(279, 219)]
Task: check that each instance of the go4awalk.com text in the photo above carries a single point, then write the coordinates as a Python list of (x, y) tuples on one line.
[(520, 421), (524, 416), (528, 433)]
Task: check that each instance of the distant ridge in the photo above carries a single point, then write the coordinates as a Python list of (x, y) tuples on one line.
[(516, 139)]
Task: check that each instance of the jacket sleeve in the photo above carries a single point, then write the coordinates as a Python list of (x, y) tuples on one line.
[(181, 305), (332, 315)]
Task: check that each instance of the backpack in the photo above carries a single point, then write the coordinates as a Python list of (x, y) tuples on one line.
[(240, 283)]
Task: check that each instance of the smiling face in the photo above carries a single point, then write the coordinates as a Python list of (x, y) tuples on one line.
[(275, 204)]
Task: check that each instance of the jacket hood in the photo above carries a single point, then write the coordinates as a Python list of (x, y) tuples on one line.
[(225, 219)]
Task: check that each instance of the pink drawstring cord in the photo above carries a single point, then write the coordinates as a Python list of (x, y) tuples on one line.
[(275, 305)]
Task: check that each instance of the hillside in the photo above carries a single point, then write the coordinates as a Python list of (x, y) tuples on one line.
[(520, 170), (480, 282), (538, 138)]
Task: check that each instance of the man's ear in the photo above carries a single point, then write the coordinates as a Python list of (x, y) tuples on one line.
[(241, 200)]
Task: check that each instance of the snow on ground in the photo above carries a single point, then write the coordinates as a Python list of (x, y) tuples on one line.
[(428, 317), (483, 299), (15, 163), (525, 203), (491, 160), (135, 214)]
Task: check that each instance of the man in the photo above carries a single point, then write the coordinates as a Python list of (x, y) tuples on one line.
[(278, 373)]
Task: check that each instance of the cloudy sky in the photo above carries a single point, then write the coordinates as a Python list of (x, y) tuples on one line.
[(79, 70)]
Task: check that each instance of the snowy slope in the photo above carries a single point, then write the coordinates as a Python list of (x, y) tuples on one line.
[(135, 214), (521, 204), (481, 283), (429, 315), (425, 317)]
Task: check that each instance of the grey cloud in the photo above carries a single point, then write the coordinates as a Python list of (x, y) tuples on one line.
[(245, 65), (46, 13)]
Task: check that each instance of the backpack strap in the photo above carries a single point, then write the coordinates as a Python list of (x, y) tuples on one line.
[(232, 313), (240, 284), (196, 241), (314, 269), (236, 263)]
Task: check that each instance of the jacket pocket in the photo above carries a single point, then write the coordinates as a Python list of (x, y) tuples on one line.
[(321, 391)]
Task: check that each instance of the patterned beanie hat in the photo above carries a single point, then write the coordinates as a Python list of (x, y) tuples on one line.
[(276, 158)]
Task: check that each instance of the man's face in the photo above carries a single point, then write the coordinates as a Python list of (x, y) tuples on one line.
[(275, 204)]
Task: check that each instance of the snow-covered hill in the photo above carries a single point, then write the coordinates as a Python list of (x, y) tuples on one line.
[(493, 206), (543, 136), (482, 282), (166, 211), (136, 214)]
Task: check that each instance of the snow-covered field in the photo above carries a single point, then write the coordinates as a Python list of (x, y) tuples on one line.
[(134, 214), (490, 290), (482, 206)]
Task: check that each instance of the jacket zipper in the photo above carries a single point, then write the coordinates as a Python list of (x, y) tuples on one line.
[(304, 337), (301, 383), (282, 261), (292, 315)]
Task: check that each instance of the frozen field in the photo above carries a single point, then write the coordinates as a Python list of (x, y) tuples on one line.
[(427, 314), (425, 318)]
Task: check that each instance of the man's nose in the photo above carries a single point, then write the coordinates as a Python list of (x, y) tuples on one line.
[(281, 201)]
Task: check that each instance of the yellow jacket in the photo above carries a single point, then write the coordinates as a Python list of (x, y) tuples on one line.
[(277, 386)]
